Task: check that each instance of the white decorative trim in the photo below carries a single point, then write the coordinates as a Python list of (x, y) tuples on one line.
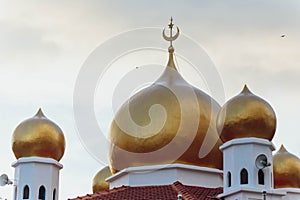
[(241, 141), (35, 159), (252, 190), (167, 174)]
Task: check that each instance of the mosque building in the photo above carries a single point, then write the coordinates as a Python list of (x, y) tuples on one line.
[(204, 151)]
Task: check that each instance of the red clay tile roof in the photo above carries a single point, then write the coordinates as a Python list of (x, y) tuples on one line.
[(162, 192)]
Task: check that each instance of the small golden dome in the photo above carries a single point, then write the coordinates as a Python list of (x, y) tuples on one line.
[(38, 136), (246, 115), (286, 167), (99, 183), (144, 131)]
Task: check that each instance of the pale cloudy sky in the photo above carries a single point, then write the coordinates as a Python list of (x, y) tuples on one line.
[(43, 45)]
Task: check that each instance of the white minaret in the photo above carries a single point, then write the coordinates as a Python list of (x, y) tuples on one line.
[(246, 124), (248, 169), (38, 144), (36, 178)]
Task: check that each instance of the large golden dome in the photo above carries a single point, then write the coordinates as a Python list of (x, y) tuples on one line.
[(152, 126), (246, 115), (38, 136), (99, 183), (286, 167)]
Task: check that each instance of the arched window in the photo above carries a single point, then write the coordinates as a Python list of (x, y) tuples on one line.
[(54, 194), (228, 179), (26, 192), (261, 177), (244, 176), (42, 193)]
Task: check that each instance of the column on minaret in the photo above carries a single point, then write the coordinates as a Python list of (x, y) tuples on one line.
[(38, 144), (246, 125)]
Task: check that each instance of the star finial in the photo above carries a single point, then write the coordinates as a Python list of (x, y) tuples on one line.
[(171, 24), (171, 38)]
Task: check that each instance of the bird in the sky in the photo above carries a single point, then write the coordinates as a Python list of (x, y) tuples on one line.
[(282, 35)]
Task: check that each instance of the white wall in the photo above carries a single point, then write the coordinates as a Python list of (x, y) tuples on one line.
[(35, 172), (166, 175)]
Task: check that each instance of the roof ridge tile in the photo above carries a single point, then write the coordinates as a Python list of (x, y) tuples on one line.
[(154, 192)]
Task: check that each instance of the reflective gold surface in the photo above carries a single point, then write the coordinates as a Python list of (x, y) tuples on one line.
[(246, 115), (286, 168), (99, 183), (139, 106), (38, 136), (171, 60)]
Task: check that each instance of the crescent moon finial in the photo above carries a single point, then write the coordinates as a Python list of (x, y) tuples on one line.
[(171, 38)]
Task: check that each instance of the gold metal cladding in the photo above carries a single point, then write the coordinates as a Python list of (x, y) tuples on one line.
[(38, 136), (99, 183), (139, 106), (286, 167), (123, 143), (246, 115)]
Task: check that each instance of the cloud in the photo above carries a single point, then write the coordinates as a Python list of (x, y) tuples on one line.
[(44, 43), (20, 42)]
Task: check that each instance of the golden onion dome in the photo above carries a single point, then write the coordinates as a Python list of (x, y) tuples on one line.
[(38, 136), (99, 183), (286, 167), (145, 131), (246, 115)]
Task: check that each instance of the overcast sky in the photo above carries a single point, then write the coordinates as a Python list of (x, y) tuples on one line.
[(43, 45)]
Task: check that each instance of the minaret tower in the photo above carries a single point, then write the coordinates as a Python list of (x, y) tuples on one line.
[(38, 144), (246, 124)]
